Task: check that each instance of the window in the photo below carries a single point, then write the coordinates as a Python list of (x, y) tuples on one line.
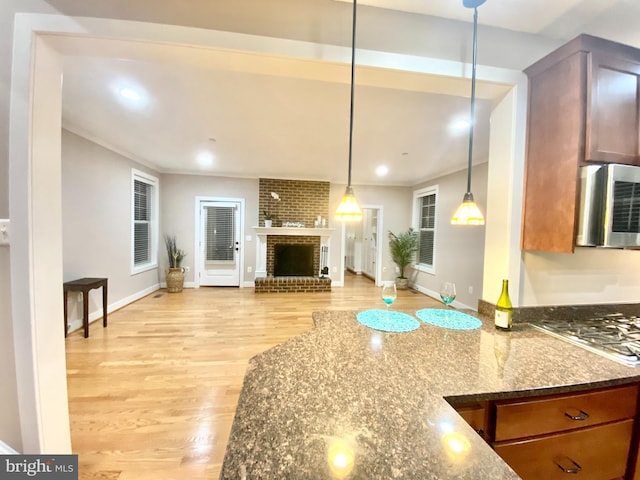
[(220, 230), (144, 221), (425, 205)]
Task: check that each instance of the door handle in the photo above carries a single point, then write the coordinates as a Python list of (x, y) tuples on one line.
[(581, 415)]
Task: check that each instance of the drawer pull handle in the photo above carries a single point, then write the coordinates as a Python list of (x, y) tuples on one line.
[(574, 468), (581, 416)]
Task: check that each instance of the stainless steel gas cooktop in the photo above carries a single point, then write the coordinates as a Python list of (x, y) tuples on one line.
[(615, 336)]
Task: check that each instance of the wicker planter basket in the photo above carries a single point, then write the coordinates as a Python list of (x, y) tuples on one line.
[(175, 280), (402, 283)]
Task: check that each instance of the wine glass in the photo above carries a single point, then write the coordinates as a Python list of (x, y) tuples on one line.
[(448, 292), (389, 294)]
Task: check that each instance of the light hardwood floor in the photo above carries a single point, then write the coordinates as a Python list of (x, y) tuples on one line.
[(153, 395)]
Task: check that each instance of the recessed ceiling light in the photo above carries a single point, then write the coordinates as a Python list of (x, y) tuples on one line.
[(205, 159), (130, 94), (382, 170)]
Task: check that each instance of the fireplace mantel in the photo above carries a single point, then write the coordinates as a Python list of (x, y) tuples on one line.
[(306, 231), (263, 232)]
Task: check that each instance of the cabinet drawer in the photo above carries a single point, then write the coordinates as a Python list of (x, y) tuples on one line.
[(559, 413), (599, 453)]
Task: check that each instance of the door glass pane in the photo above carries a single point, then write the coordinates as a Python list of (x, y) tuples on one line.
[(220, 234)]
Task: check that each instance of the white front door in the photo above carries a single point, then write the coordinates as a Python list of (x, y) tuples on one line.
[(219, 264)]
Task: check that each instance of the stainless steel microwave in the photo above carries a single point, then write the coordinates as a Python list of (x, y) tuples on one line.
[(609, 206)]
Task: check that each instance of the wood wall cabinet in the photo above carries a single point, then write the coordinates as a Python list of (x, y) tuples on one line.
[(584, 106), (613, 107), (556, 437)]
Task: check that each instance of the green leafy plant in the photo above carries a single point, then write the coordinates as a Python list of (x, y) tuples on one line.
[(267, 215), (173, 252), (403, 248)]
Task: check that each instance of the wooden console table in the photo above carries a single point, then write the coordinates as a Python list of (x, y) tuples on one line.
[(84, 285)]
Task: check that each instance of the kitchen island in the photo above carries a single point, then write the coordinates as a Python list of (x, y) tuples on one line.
[(346, 401)]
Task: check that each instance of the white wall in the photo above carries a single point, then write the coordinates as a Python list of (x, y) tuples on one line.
[(459, 250), (588, 276), (96, 225), (502, 257)]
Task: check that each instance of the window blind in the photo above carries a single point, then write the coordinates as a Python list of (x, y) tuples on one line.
[(142, 222), (427, 229), (220, 234)]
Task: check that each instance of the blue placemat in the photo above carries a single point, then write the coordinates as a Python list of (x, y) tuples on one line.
[(391, 322), (448, 319)]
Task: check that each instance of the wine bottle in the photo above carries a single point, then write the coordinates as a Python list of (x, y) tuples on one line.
[(503, 314)]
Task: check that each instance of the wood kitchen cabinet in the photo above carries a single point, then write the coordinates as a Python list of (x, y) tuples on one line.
[(596, 453), (550, 437), (584, 106), (475, 414)]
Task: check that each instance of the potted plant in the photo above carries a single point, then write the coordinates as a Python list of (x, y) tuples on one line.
[(175, 274), (269, 216), (403, 249)]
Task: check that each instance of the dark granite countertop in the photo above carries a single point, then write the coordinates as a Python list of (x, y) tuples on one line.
[(343, 394)]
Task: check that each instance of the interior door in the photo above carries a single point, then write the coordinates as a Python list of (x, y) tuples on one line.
[(219, 244), (370, 241)]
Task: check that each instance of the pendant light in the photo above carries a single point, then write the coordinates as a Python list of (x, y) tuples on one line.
[(348, 210), (468, 212)]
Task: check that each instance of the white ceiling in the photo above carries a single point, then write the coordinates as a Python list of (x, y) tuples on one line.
[(532, 16), (264, 116)]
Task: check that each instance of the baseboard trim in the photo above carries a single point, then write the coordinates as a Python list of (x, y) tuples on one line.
[(436, 295), (76, 324)]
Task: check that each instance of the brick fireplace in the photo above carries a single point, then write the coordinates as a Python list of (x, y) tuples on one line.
[(267, 238), (300, 203)]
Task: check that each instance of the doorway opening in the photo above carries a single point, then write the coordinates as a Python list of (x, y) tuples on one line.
[(363, 244)]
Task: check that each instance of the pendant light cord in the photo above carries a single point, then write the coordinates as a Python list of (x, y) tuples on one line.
[(353, 69), (472, 120)]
